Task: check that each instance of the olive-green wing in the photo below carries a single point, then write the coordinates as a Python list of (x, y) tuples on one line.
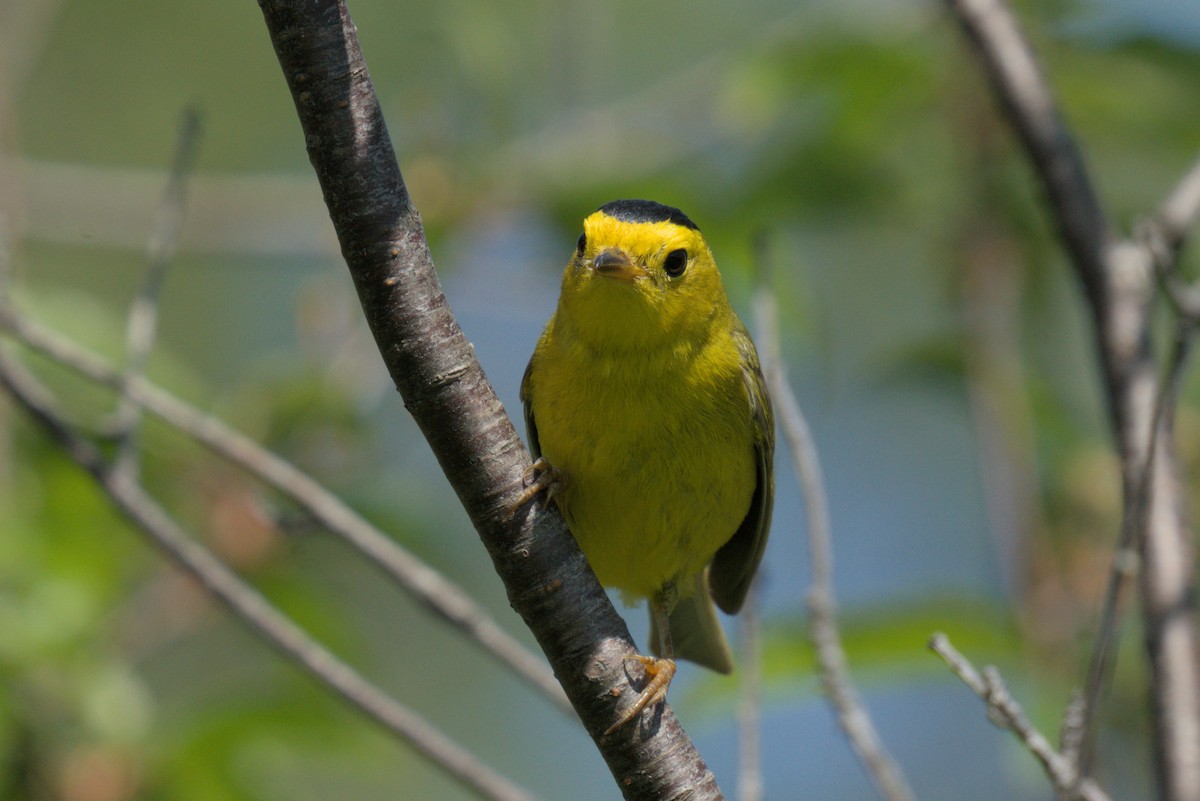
[(535, 447), (734, 564)]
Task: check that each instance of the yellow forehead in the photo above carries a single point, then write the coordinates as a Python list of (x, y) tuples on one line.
[(638, 238)]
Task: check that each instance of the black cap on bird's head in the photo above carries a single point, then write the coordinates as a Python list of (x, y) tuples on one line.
[(641, 276), (646, 211)]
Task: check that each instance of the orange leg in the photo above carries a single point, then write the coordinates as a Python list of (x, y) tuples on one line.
[(659, 670)]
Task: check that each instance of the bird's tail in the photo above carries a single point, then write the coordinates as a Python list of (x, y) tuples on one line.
[(696, 633)]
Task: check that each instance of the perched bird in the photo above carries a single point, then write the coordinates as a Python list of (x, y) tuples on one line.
[(648, 416)]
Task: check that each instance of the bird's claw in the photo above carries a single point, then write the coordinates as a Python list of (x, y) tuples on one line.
[(659, 672), (541, 476)]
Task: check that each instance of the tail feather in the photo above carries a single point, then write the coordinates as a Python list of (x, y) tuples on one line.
[(696, 633)]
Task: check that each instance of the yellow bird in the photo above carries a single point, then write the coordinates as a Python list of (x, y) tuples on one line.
[(649, 418)]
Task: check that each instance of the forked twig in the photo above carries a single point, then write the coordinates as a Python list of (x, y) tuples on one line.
[(1005, 712)]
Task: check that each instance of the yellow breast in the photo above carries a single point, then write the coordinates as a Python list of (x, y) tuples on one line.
[(658, 450)]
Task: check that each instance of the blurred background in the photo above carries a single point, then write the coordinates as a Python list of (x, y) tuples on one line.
[(931, 327)]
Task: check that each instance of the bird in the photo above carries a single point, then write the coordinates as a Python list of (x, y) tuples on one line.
[(652, 431)]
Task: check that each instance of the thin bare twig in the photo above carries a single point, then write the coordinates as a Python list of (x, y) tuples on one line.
[(1126, 563), (1164, 234), (247, 604), (831, 656), (1178, 215), (142, 322), (1005, 712), (441, 596), (1071, 732)]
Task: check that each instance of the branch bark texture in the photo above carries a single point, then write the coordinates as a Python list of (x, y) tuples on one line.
[(549, 582)]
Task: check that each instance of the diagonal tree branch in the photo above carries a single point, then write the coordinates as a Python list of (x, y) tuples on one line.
[(549, 582)]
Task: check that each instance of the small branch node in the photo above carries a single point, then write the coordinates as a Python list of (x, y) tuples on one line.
[(1004, 711), (1071, 732)]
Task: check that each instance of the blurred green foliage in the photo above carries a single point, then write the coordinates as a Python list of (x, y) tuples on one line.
[(857, 137)]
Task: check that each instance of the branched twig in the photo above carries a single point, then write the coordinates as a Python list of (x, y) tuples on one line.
[(1178, 215), (142, 322), (831, 657), (1126, 562), (1117, 276), (1164, 234), (1005, 712), (434, 368), (247, 604), (441, 596)]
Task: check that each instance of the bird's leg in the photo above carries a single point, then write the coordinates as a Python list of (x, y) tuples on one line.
[(659, 670), (540, 477)]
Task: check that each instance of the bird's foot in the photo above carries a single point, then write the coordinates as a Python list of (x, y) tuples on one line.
[(540, 477), (659, 672)]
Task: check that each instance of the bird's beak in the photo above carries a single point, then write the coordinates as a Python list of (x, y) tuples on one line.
[(615, 263)]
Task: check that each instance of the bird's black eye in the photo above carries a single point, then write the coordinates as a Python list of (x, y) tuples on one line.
[(581, 245), (675, 263)]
